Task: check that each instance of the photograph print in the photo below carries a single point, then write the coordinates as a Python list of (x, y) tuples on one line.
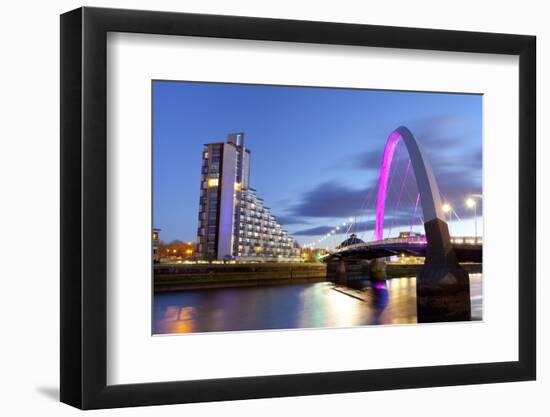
[(300, 207)]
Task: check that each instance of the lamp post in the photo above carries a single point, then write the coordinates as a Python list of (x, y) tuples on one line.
[(471, 203)]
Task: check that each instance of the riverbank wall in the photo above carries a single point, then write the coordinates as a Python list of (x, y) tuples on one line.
[(197, 276), (178, 277), (348, 271), (396, 270)]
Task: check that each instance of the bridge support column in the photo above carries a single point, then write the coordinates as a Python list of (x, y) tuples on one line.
[(442, 285), (344, 271), (377, 269), (341, 275)]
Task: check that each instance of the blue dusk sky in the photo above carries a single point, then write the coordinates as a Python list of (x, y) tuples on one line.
[(315, 153)]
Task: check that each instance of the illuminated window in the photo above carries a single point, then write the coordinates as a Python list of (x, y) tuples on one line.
[(213, 182), (238, 186), (206, 155)]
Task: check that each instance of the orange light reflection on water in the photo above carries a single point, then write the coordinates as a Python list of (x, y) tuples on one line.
[(177, 320)]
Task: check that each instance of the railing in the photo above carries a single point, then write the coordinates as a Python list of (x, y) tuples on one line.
[(414, 240), (467, 240)]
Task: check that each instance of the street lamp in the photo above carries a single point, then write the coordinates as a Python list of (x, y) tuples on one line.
[(471, 203), (447, 209)]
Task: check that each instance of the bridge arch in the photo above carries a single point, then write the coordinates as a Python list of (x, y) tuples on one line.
[(430, 198), (442, 285)]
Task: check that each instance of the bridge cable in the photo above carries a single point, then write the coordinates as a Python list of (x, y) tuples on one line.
[(395, 208), (396, 212), (395, 164), (414, 214), (412, 198)]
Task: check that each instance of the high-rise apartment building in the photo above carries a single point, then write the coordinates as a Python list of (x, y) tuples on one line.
[(156, 245), (234, 223)]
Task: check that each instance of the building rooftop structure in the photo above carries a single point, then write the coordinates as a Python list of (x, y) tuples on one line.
[(352, 240)]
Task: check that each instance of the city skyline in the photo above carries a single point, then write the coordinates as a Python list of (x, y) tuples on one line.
[(315, 151)]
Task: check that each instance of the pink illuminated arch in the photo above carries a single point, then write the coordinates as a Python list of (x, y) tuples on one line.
[(427, 186)]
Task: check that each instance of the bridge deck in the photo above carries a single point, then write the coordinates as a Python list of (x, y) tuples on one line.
[(467, 250)]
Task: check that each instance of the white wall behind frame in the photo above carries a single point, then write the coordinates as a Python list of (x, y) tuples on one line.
[(29, 174)]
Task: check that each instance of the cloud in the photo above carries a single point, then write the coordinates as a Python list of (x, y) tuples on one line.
[(358, 227), (331, 199), (287, 219), (440, 137), (313, 231), (367, 160), (456, 160)]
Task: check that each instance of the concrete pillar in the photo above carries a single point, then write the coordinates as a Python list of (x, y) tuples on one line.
[(377, 270), (341, 271), (442, 285)]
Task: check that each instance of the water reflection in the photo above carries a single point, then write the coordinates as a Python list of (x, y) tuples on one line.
[(294, 306)]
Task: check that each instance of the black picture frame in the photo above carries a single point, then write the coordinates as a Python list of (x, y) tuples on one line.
[(84, 207)]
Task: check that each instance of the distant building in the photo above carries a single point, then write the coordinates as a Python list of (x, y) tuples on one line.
[(352, 240), (156, 245), (312, 254), (406, 235), (235, 223)]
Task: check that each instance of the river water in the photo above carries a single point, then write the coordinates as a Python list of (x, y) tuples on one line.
[(292, 306)]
